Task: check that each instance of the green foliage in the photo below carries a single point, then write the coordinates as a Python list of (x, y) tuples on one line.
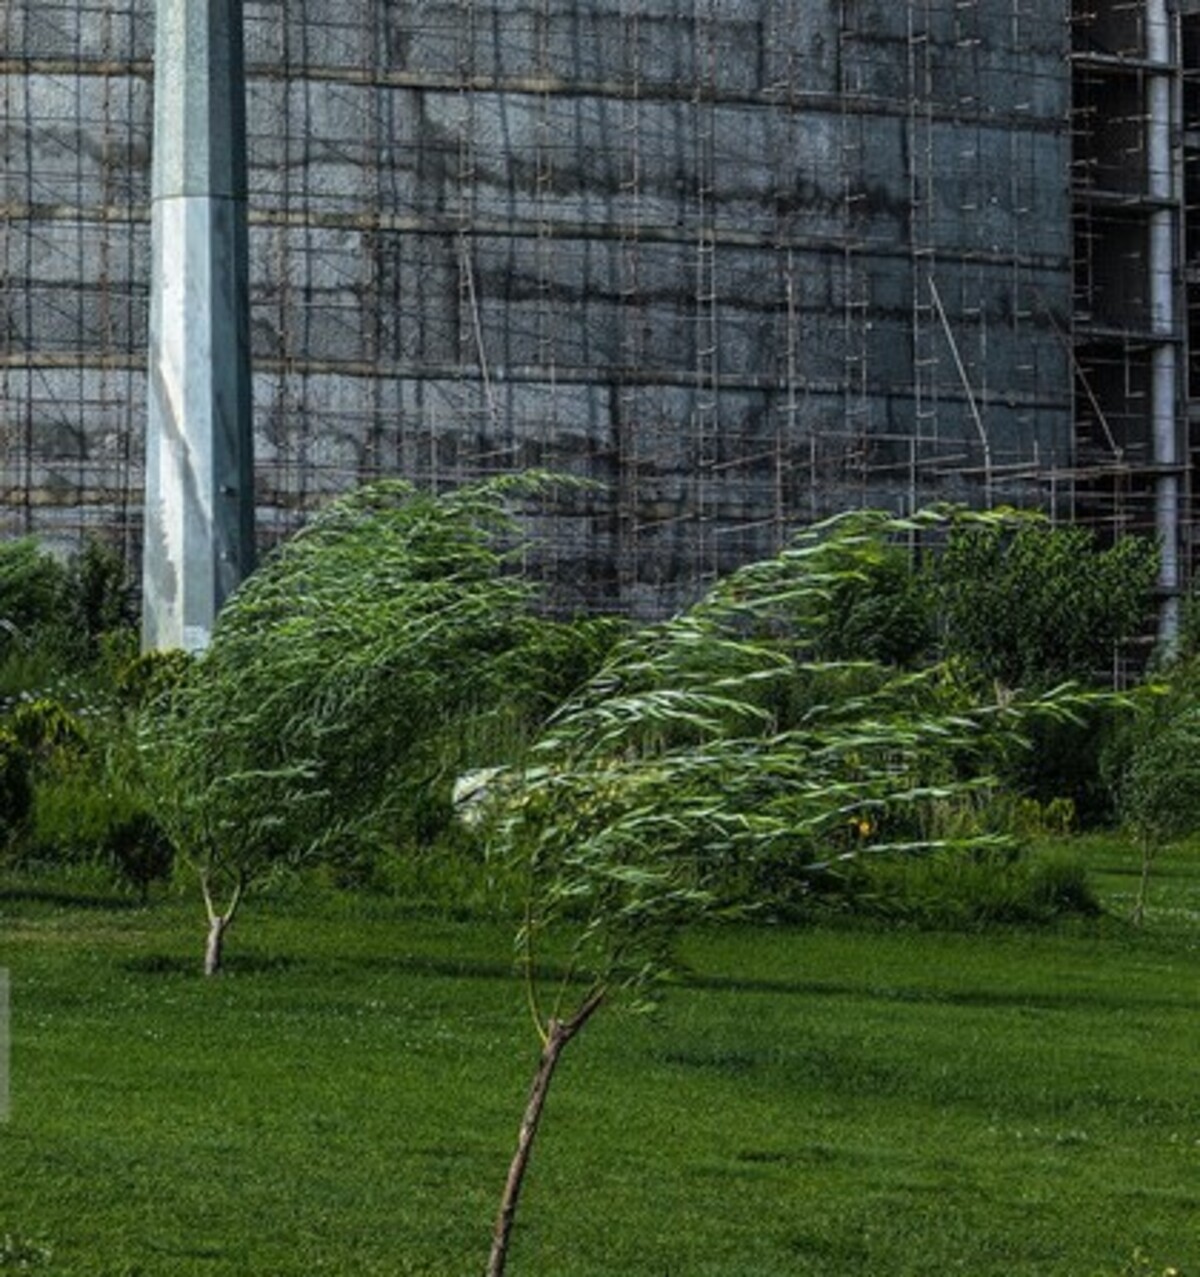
[(1031, 605), (1187, 645), (72, 815), (48, 731), (728, 737), (955, 890), (85, 814), (34, 589), (720, 739), (59, 608), (882, 611), (381, 651), (66, 794), (80, 799), (142, 678), (1070, 762), (1160, 791), (100, 595), (1158, 787), (1031, 818), (16, 789), (139, 851)]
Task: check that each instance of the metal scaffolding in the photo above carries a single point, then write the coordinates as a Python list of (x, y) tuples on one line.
[(744, 263)]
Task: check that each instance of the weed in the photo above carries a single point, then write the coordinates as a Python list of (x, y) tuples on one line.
[(21, 1255)]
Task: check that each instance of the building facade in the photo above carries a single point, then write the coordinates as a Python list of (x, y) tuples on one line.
[(744, 262)]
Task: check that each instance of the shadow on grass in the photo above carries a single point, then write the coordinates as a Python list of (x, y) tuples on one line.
[(986, 998), (234, 965), (1134, 870), (450, 968), (49, 896)]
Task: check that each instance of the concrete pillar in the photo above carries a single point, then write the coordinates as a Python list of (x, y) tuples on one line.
[(199, 515), (1163, 184)]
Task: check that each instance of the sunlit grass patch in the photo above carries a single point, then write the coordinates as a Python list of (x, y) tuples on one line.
[(849, 1102)]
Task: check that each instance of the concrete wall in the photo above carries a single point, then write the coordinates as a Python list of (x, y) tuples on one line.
[(685, 248)]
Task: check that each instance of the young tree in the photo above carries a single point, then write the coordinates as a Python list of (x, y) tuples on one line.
[(358, 670), (1159, 792), (710, 741)]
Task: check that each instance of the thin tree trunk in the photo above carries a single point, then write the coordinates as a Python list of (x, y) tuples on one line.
[(559, 1034), (218, 923), (216, 940), (1139, 906)]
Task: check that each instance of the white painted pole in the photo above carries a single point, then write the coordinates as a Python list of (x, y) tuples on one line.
[(199, 504)]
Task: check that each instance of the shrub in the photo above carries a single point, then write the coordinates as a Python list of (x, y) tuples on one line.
[(71, 818), (100, 596), (34, 589), (883, 612), (16, 789), (48, 732), (1030, 605), (140, 678), (987, 887), (83, 815), (59, 610), (138, 850), (1068, 762)]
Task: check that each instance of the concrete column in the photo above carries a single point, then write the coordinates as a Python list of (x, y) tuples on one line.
[(1163, 185), (199, 516)]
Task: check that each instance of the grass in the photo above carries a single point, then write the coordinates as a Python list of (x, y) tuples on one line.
[(846, 1101)]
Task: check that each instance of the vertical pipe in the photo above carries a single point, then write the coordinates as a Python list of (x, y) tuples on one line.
[(1164, 373), (199, 502)]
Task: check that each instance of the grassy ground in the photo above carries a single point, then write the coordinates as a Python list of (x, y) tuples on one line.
[(826, 1101)]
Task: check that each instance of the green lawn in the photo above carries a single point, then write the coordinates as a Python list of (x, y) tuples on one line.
[(848, 1101)]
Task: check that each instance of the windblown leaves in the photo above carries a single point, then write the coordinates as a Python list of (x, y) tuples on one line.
[(722, 736), (371, 659)]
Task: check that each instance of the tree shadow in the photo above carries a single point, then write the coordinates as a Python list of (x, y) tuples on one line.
[(52, 896), (234, 964), (1040, 1000)]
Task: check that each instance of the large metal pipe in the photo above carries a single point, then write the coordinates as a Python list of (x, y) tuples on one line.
[(199, 488)]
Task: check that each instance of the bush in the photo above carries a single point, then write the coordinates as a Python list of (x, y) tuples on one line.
[(1030, 605), (986, 887), (139, 679), (1068, 762), (101, 599), (34, 589), (59, 611), (48, 732), (884, 613), (16, 788), (72, 816), (79, 817), (138, 850)]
